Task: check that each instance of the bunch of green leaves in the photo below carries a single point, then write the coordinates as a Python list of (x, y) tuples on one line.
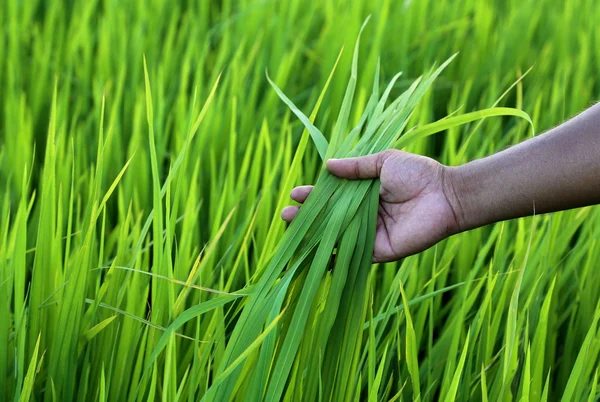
[(188, 184), (291, 303)]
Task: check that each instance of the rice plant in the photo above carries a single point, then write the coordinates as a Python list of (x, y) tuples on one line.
[(145, 157)]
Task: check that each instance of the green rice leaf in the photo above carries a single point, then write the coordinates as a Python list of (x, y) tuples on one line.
[(451, 394), (459, 120), (317, 137)]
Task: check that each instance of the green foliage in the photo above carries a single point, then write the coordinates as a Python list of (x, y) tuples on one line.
[(144, 159)]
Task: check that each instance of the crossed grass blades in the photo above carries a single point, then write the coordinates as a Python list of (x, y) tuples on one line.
[(282, 316), (120, 218)]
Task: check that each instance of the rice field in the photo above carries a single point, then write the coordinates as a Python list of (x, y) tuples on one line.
[(145, 158)]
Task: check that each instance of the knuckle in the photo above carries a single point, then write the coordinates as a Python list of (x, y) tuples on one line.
[(392, 153), (357, 169), (381, 158)]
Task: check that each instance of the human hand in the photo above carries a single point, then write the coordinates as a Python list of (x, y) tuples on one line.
[(416, 202)]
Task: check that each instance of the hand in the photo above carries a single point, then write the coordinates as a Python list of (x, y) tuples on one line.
[(415, 205)]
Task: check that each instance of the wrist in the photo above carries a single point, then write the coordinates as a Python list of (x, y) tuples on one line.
[(455, 191), (472, 193)]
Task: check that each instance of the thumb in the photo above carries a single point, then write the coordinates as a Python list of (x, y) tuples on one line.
[(362, 167)]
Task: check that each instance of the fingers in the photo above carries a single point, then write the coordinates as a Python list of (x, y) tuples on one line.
[(363, 167), (288, 213), (299, 194)]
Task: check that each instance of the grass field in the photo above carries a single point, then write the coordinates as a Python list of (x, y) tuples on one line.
[(144, 160)]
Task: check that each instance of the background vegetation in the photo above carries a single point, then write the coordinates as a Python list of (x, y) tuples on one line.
[(111, 227)]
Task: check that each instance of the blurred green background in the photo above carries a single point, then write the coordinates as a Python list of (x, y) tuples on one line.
[(74, 264)]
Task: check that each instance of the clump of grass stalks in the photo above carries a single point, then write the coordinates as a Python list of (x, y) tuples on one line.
[(308, 302)]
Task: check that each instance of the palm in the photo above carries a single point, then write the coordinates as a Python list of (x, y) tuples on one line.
[(414, 212)]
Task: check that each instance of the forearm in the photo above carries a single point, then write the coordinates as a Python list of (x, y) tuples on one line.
[(554, 171)]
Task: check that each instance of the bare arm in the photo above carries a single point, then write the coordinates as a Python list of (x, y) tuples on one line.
[(554, 171), (422, 201)]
